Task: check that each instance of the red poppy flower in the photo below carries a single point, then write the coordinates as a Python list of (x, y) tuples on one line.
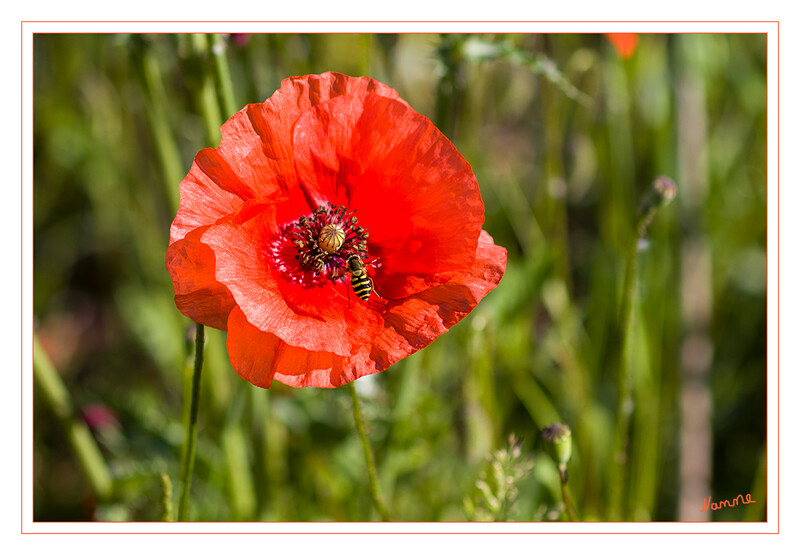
[(624, 43), (333, 232)]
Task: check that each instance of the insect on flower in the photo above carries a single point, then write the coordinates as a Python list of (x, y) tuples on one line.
[(306, 191), (361, 283)]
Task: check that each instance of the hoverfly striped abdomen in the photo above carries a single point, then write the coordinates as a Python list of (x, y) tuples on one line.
[(359, 280)]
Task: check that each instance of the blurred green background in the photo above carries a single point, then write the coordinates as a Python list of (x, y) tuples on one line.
[(565, 137)]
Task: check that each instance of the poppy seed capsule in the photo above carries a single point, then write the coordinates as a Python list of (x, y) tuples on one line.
[(331, 238)]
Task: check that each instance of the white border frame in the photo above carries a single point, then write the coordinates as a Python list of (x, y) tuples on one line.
[(28, 29)]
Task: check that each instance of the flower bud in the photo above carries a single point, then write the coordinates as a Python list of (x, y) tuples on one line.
[(665, 188), (558, 443)]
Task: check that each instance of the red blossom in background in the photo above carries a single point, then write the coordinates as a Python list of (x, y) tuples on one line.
[(329, 174), (624, 43)]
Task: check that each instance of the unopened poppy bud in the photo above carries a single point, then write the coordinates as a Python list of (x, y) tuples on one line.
[(660, 194), (558, 443), (665, 188)]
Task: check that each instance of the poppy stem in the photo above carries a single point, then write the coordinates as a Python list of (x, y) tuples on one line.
[(450, 91), (206, 94), (157, 111), (661, 193), (370, 460), (570, 508), (187, 465), (217, 46), (80, 439)]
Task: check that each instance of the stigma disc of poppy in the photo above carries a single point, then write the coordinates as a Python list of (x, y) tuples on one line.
[(326, 239), (331, 238)]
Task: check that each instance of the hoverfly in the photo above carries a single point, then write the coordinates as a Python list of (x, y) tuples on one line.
[(360, 282)]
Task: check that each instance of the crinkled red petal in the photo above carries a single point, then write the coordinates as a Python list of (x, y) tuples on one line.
[(209, 192), (418, 319), (315, 318), (260, 357), (255, 159), (410, 325), (304, 92), (410, 186), (198, 294)]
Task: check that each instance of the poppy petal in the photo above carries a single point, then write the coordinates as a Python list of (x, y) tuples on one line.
[(304, 92), (624, 43), (254, 159), (198, 294), (412, 189), (260, 357), (210, 191), (422, 317)]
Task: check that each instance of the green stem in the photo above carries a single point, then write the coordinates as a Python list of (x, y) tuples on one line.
[(80, 438), (207, 96), (662, 192), (757, 511), (365, 49), (217, 47), (235, 449), (624, 390), (187, 465), (448, 95), (571, 514), (157, 112), (370, 460)]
